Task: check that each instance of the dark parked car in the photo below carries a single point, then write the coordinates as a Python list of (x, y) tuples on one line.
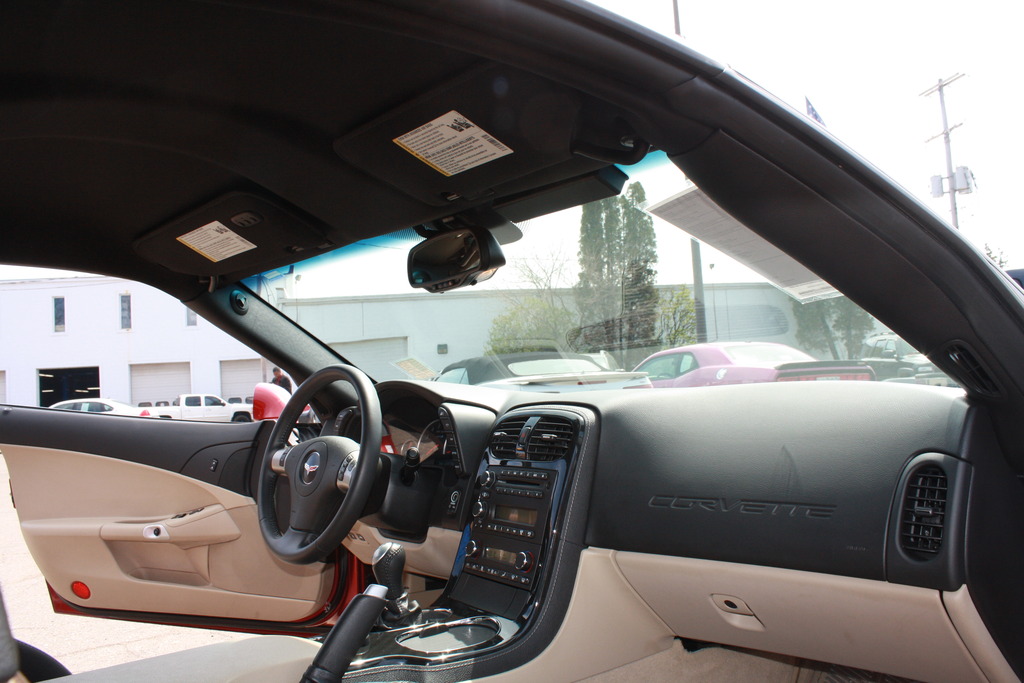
[(704, 365), (891, 357), (324, 180)]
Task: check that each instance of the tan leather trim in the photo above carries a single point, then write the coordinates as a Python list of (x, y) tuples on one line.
[(607, 625), (971, 628), (873, 625), (434, 557), (263, 659), (111, 525)]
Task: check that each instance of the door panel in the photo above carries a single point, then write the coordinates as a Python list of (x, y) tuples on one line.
[(156, 518), (220, 453), (116, 526)]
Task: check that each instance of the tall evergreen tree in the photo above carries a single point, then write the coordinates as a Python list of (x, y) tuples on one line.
[(615, 292)]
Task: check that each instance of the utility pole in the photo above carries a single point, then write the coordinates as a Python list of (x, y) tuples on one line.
[(961, 181), (699, 311)]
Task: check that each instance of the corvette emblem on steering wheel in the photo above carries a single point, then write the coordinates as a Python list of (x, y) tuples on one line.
[(309, 467)]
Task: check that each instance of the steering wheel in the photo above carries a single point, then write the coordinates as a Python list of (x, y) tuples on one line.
[(329, 477)]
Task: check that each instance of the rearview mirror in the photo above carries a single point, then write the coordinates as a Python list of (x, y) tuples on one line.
[(454, 259)]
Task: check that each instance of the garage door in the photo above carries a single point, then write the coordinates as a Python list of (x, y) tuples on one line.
[(239, 377), (154, 382), (375, 356)]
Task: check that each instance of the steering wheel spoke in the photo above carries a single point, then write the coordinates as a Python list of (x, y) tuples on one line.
[(278, 460), (347, 471), (329, 477)]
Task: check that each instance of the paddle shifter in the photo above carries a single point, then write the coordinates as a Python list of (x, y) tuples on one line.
[(388, 568)]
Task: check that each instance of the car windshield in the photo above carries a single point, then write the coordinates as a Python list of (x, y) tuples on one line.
[(614, 278)]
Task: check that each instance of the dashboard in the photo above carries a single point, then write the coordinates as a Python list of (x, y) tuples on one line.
[(821, 487), (809, 489)]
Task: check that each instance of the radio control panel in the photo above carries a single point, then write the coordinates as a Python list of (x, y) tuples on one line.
[(510, 516), (514, 510)]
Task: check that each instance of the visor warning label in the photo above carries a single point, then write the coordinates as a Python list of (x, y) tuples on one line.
[(451, 144), (216, 241)]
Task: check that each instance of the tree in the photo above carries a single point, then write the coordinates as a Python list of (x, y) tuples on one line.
[(677, 318), (812, 326), (531, 324), (997, 255), (852, 323), (539, 317), (615, 293), (821, 323)]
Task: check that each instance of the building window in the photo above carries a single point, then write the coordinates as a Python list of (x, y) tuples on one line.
[(126, 311), (58, 314), (190, 317)]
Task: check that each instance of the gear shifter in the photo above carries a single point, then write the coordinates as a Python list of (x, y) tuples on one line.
[(388, 568)]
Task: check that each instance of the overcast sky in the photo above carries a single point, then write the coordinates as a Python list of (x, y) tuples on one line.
[(864, 64)]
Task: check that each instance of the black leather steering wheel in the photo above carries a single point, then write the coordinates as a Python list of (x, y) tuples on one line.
[(329, 477)]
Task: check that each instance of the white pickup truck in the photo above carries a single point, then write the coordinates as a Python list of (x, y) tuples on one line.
[(204, 407)]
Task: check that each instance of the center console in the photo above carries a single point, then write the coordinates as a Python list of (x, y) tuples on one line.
[(508, 543), (515, 510)]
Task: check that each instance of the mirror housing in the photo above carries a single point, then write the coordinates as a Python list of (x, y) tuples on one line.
[(450, 260)]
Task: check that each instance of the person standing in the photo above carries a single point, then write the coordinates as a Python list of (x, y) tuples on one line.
[(281, 380)]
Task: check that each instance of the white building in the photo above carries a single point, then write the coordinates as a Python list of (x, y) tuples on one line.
[(102, 336)]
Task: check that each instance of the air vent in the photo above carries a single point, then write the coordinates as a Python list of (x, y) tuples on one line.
[(551, 439), (970, 372), (924, 511), (451, 441), (505, 437)]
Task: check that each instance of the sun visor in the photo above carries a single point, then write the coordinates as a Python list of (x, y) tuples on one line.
[(467, 138), (591, 187), (238, 233)]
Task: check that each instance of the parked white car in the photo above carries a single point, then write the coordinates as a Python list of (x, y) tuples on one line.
[(102, 405)]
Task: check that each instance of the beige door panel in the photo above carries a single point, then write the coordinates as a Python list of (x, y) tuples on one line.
[(145, 539)]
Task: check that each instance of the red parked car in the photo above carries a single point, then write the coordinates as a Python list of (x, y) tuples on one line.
[(701, 365)]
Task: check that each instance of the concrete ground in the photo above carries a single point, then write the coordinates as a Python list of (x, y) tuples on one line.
[(80, 643)]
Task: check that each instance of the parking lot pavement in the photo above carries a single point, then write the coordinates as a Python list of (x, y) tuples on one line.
[(80, 643)]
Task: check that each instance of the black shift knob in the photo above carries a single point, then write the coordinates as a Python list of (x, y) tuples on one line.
[(388, 567)]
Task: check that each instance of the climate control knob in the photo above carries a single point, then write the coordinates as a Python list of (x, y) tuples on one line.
[(472, 549), (524, 561)]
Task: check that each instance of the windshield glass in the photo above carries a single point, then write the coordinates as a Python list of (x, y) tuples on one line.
[(613, 279)]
